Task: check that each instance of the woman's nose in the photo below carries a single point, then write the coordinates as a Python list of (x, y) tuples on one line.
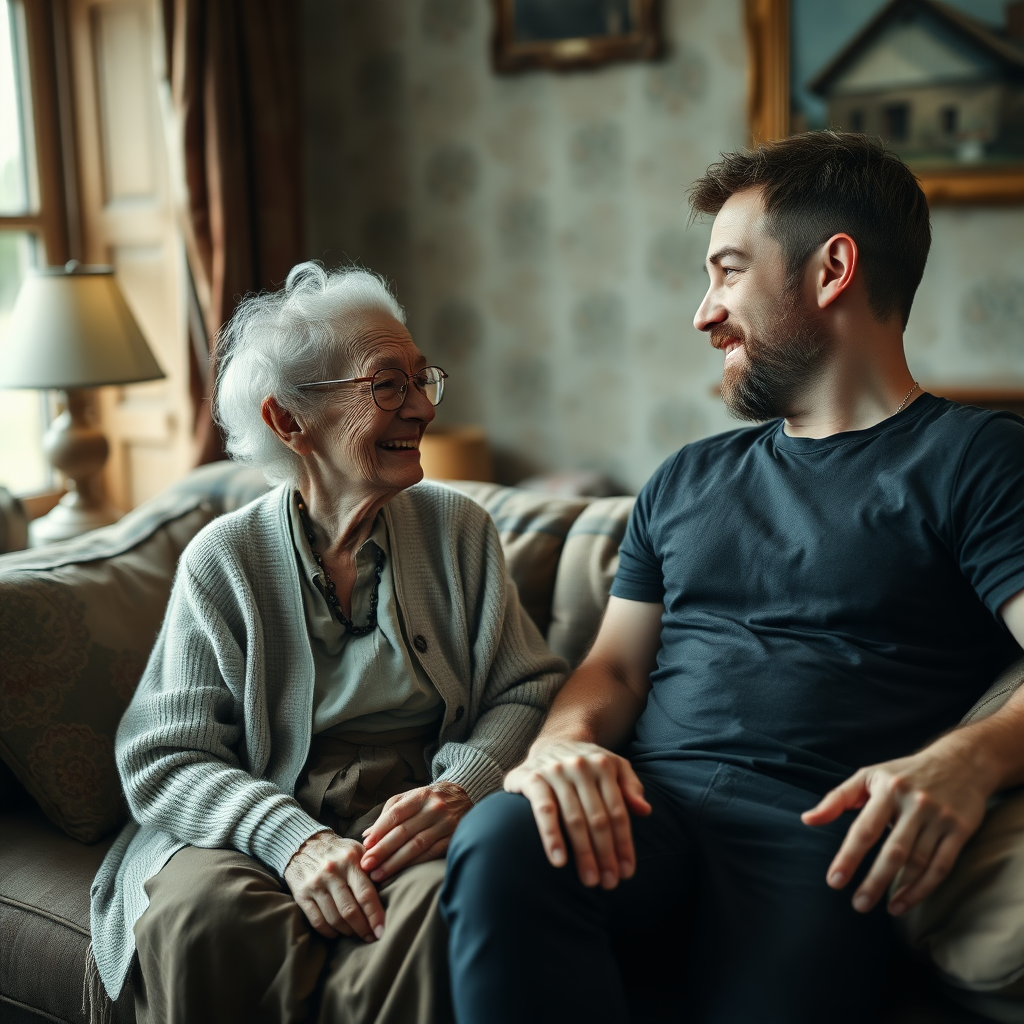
[(416, 405)]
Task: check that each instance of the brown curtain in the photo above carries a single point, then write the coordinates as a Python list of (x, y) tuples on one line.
[(235, 87)]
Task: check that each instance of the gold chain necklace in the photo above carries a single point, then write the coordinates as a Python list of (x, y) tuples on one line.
[(907, 399)]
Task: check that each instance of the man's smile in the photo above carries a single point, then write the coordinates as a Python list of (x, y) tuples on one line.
[(730, 348)]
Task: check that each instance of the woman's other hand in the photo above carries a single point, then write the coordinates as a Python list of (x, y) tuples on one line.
[(332, 890), (413, 827)]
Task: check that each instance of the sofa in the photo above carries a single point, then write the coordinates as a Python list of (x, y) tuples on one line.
[(77, 620)]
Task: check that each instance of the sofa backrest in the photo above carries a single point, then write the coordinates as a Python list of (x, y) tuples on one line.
[(78, 619)]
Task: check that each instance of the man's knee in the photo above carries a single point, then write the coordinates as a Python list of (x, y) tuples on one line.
[(500, 830), (496, 857)]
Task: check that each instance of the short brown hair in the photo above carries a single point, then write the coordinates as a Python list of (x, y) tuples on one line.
[(819, 183)]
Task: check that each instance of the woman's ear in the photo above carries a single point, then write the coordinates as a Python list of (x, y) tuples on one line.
[(285, 426), (838, 260)]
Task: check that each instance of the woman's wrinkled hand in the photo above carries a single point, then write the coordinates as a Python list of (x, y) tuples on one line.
[(414, 827), (332, 890)]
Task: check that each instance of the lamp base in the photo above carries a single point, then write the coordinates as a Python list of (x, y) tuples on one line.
[(70, 517), (77, 447)]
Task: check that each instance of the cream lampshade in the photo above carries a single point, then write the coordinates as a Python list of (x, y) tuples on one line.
[(72, 330)]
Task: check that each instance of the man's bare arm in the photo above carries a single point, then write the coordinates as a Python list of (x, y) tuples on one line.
[(570, 776), (934, 800)]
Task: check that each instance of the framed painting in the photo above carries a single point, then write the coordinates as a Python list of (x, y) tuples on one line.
[(942, 83), (573, 33)]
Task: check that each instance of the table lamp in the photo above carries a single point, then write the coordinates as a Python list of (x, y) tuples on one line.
[(71, 330)]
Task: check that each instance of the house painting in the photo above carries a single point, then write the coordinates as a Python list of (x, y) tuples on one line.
[(935, 83)]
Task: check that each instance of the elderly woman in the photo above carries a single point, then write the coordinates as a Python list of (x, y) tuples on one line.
[(343, 670)]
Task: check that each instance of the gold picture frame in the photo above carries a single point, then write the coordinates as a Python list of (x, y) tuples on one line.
[(768, 112), (640, 38)]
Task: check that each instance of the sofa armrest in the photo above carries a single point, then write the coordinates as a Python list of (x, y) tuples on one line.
[(997, 694)]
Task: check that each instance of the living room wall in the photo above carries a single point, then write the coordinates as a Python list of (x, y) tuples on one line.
[(535, 228)]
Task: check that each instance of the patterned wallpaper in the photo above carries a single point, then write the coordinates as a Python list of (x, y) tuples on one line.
[(535, 227)]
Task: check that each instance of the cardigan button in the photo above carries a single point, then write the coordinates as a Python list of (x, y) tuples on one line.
[(419, 641), (459, 712)]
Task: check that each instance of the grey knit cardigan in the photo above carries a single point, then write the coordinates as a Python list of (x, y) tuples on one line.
[(213, 741)]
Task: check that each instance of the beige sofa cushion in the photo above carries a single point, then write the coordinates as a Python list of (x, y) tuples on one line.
[(972, 926), (533, 528), (585, 573)]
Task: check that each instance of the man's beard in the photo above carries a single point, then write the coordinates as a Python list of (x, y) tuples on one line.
[(783, 357)]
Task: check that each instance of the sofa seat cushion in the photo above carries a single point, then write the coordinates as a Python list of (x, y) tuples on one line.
[(44, 921)]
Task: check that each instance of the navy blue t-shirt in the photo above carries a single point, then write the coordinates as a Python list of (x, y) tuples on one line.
[(829, 603)]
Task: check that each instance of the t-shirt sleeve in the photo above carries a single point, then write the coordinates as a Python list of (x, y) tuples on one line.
[(639, 576), (988, 511)]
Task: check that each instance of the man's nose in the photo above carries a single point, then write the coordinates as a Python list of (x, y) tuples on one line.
[(709, 313)]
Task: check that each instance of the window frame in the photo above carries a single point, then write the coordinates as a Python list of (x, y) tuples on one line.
[(45, 39), (51, 136)]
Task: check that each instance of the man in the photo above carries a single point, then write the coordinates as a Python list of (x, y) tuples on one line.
[(802, 613)]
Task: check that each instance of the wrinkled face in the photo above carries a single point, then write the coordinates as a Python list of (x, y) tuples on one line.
[(773, 339), (358, 446)]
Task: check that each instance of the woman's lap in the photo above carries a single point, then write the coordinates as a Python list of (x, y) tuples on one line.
[(222, 939)]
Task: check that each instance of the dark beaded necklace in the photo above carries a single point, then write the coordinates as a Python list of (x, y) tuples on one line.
[(330, 591)]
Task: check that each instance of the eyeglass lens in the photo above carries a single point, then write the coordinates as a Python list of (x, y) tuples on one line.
[(389, 386)]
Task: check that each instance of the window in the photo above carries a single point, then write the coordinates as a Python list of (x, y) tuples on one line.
[(948, 118), (856, 120), (896, 118), (33, 229)]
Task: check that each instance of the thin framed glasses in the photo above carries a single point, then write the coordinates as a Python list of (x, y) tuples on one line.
[(390, 385)]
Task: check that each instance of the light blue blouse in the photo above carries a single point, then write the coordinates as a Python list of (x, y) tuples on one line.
[(370, 683)]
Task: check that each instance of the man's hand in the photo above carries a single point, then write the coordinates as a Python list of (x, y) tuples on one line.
[(332, 890), (594, 790), (413, 827), (934, 800)]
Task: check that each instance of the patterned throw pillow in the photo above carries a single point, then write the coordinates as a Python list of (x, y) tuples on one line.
[(74, 639), (77, 622)]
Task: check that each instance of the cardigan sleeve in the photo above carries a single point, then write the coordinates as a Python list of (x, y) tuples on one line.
[(515, 676), (184, 744)]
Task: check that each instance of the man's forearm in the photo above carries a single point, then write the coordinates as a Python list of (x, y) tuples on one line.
[(594, 706), (994, 745)]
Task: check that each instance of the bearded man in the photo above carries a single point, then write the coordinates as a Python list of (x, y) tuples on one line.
[(802, 613)]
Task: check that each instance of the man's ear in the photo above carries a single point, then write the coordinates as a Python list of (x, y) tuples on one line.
[(837, 263), (285, 425)]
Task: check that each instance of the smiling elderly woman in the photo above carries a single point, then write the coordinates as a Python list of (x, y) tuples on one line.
[(343, 670)]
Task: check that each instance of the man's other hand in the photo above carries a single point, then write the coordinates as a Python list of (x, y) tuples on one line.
[(934, 801), (593, 791)]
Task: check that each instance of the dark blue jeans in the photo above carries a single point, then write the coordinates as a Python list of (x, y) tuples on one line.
[(727, 920)]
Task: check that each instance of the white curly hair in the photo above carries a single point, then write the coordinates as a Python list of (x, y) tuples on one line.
[(276, 340)]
